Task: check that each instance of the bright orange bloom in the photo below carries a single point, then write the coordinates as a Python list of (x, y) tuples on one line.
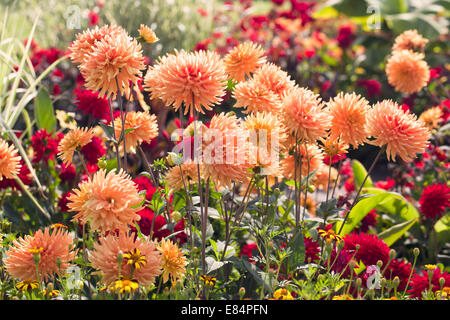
[(72, 140), (432, 117), (410, 40), (173, 260), (109, 201), (304, 115), (49, 245), (147, 34), (243, 60), (186, 171), (348, 118), (105, 255), (195, 79), (9, 161), (407, 71), (273, 78), (146, 128), (111, 66), (255, 97), (400, 131)]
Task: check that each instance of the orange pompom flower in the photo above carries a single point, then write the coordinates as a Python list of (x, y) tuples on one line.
[(243, 60), (173, 260), (273, 78), (55, 249), (399, 131), (407, 71), (255, 97), (304, 115), (186, 171), (348, 118), (141, 261), (410, 40), (109, 201), (9, 161), (72, 140), (113, 63), (145, 128), (432, 117), (195, 79)]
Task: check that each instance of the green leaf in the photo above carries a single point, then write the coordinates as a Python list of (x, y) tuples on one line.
[(360, 210), (442, 228), (43, 111), (390, 6), (297, 246), (396, 232), (359, 173), (428, 25), (108, 131), (257, 274), (212, 264), (350, 8)]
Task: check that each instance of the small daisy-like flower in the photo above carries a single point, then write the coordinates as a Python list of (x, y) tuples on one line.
[(444, 293), (304, 115), (343, 297), (348, 118), (26, 285), (407, 71), (430, 267), (410, 40), (124, 286), (173, 260), (254, 97), (147, 35), (114, 63), (48, 246), (135, 259), (209, 281), (432, 117), (58, 225), (400, 131), (105, 253), (329, 235), (243, 60), (195, 79), (139, 127), (282, 294), (74, 139), (109, 201), (9, 161)]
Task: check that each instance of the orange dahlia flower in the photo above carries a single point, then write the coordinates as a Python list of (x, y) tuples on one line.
[(113, 63), (72, 140), (243, 60), (141, 259), (272, 77), (255, 97), (147, 34), (322, 175), (9, 161), (49, 245), (311, 159), (173, 260), (195, 79), (145, 128), (348, 118), (432, 117), (400, 131), (407, 71), (109, 201), (304, 115), (186, 171), (410, 40)]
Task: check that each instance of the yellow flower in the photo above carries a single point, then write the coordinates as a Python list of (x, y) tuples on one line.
[(208, 280), (124, 285), (329, 235), (430, 267), (135, 258), (282, 294), (27, 285), (444, 294), (36, 250), (343, 297), (147, 35), (173, 260)]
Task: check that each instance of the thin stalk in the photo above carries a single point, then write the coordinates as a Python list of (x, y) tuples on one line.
[(188, 202), (84, 164), (382, 149), (338, 175), (306, 183), (147, 165), (114, 133), (122, 134)]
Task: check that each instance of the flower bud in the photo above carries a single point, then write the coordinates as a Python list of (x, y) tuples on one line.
[(241, 292), (442, 282), (392, 253), (176, 216), (341, 245), (276, 192), (102, 164), (174, 159), (416, 252), (311, 188), (383, 282), (396, 281), (379, 264), (352, 264), (358, 282), (120, 257)]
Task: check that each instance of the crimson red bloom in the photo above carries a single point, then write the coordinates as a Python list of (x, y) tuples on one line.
[(93, 18), (434, 199), (93, 150), (368, 221), (371, 248), (401, 269), (373, 87), (68, 173), (144, 183), (339, 263), (345, 36), (420, 283), (312, 250), (63, 201), (44, 145), (248, 250), (90, 103), (145, 224)]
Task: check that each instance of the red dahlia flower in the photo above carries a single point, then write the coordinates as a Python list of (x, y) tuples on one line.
[(371, 248), (420, 283), (434, 199)]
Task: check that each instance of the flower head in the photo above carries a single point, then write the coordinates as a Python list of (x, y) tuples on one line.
[(45, 145), (74, 139), (310, 158), (113, 63), (434, 200), (186, 171), (282, 294), (243, 60), (109, 201), (124, 286), (49, 245), (407, 71), (432, 117), (348, 118), (147, 35), (255, 97), (195, 79), (409, 40), (173, 260), (429, 280), (141, 126), (105, 253), (304, 115), (371, 248), (10, 161), (273, 78)]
